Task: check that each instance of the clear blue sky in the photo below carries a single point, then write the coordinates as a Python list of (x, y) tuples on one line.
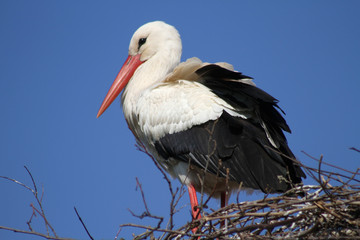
[(58, 59)]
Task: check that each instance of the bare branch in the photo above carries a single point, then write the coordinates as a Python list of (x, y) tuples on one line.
[(34, 233), (355, 149), (41, 212), (83, 224), (17, 182)]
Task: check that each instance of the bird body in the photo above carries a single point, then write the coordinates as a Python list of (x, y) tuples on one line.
[(174, 106), (205, 124)]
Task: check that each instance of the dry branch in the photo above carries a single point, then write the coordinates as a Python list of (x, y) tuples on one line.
[(39, 210)]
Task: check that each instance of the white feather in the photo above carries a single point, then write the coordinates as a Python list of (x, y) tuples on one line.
[(174, 107)]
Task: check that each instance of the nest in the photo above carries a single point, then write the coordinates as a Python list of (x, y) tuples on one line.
[(331, 212), (328, 210)]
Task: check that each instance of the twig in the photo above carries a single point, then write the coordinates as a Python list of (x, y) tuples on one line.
[(173, 202), (83, 224), (117, 234), (17, 182), (330, 165), (35, 192), (142, 195), (146, 213), (34, 233), (355, 149), (41, 212)]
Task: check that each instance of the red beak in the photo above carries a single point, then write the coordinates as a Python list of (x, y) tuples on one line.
[(125, 74)]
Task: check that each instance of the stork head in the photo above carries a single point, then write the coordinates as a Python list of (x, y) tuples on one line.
[(150, 40), (153, 38)]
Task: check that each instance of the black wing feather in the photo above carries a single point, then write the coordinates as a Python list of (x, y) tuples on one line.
[(239, 145)]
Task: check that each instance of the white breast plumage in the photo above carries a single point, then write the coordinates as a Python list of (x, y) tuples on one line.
[(173, 107)]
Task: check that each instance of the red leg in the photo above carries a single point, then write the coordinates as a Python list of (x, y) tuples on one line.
[(224, 198), (195, 210)]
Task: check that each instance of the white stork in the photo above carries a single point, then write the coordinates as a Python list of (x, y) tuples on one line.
[(205, 124)]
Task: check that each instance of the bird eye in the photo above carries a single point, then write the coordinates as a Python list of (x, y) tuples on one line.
[(141, 42)]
